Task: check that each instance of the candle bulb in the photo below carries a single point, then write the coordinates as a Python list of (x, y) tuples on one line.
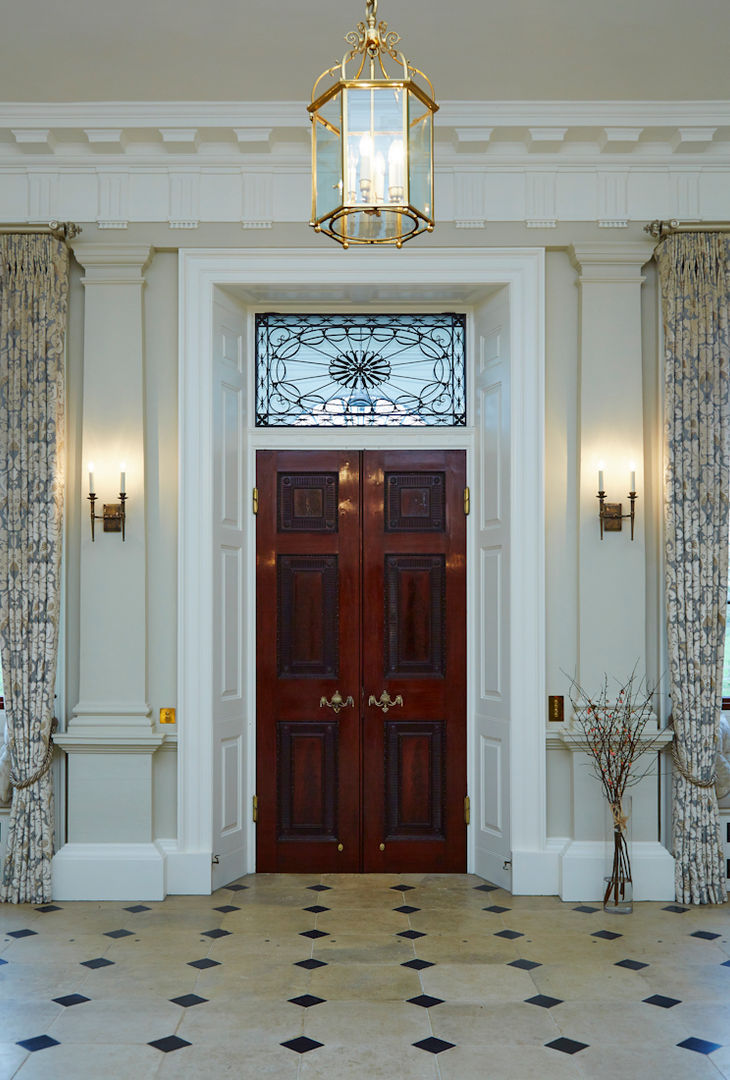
[(601, 467), (123, 478), (632, 467), (91, 477), (379, 178)]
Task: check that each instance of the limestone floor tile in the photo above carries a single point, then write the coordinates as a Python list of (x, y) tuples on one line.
[(241, 1023), (221, 1063), (369, 982), (500, 1062), (698, 982), (367, 1024), (468, 949), (344, 942), (631, 1025), (376, 920), (272, 985), (29, 981), (114, 1020), (378, 1062), (706, 1020), (648, 1063), (11, 1058), (487, 984), (92, 1062), (21, 1019), (166, 982), (515, 1024), (591, 982)]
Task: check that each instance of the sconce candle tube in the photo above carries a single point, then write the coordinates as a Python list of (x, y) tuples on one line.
[(123, 478)]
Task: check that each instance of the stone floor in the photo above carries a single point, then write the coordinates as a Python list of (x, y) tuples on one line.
[(360, 977)]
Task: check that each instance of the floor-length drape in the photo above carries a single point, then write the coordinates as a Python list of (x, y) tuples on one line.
[(33, 301), (694, 270)]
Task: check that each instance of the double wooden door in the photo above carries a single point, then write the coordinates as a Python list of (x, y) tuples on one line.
[(361, 661)]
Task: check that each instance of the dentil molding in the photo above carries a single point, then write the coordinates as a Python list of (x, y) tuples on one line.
[(186, 163)]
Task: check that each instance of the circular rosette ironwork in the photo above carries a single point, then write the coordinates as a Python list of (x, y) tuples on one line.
[(355, 370)]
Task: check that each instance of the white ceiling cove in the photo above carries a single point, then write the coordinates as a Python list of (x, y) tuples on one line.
[(252, 50)]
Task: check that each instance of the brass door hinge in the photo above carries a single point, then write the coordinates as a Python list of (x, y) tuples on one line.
[(467, 501), (467, 810), (255, 500), (255, 807)]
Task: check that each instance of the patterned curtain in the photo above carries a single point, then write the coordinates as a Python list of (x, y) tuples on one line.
[(694, 271), (33, 299)]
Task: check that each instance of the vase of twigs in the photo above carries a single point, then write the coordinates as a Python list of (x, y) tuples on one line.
[(611, 727)]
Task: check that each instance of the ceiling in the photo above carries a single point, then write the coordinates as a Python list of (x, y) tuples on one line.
[(253, 50)]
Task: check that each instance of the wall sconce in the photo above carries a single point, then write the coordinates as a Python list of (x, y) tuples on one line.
[(114, 515), (610, 515)]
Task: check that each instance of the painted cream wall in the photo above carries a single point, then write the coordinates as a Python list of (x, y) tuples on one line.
[(563, 507)]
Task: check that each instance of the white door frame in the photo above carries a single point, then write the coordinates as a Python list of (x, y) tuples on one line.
[(534, 866)]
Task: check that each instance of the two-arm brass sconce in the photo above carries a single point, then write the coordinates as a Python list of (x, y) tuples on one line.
[(114, 515), (610, 515)]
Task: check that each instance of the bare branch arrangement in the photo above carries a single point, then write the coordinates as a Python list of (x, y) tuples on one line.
[(612, 728)]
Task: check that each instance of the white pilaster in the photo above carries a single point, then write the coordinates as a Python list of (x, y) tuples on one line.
[(110, 738), (612, 570)]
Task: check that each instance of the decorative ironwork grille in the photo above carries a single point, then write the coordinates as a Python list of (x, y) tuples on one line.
[(360, 370)]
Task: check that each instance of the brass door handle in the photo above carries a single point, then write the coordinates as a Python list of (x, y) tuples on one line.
[(337, 702), (385, 702)]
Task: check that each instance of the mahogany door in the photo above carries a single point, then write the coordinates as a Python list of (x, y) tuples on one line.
[(361, 661)]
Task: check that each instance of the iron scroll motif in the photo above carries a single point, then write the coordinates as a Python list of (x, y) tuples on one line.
[(360, 370)]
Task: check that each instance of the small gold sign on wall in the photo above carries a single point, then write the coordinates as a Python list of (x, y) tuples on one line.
[(555, 707), (167, 716)]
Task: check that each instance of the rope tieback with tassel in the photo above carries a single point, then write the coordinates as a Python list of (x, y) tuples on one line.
[(688, 776), (42, 768)]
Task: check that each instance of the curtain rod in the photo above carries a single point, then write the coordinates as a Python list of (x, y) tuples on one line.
[(659, 229), (62, 230)]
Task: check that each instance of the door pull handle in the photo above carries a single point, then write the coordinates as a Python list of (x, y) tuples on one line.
[(337, 702), (385, 702)]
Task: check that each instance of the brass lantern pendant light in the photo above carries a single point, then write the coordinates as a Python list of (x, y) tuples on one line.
[(372, 143)]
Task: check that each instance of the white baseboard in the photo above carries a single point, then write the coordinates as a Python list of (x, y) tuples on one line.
[(186, 872), (108, 872), (537, 873), (584, 865)]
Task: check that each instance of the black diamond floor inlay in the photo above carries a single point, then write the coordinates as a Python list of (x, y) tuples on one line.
[(307, 1001), (406, 909), (186, 1000), (543, 1001), (227, 908), (661, 1002), (700, 1046), (97, 962), (318, 888), (675, 908), (496, 909), (201, 965), (21, 933), (510, 934), (170, 1042), (71, 999), (632, 965), (486, 888), (49, 907), (425, 1001), (316, 908), (136, 908), (418, 965), (586, 909), (314, 933), (725, 963), (119, 933), (402, 888), (2, 962), (567, 1046), (236, 888), (302, 1045), (410, 934), (433, 1045), (706, 935), (310, 965), (607, 935), (39, 1042), (214, 933), (524, 965)]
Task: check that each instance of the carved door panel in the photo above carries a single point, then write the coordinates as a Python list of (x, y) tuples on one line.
[(361, 593)]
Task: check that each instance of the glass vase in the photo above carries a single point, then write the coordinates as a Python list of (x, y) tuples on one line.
[(618, 894)]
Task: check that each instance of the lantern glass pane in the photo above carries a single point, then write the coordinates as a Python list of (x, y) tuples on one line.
[(420, 127), (328, 157), (375, 146)]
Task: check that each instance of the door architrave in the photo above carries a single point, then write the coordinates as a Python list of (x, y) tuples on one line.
[(535, 866)]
